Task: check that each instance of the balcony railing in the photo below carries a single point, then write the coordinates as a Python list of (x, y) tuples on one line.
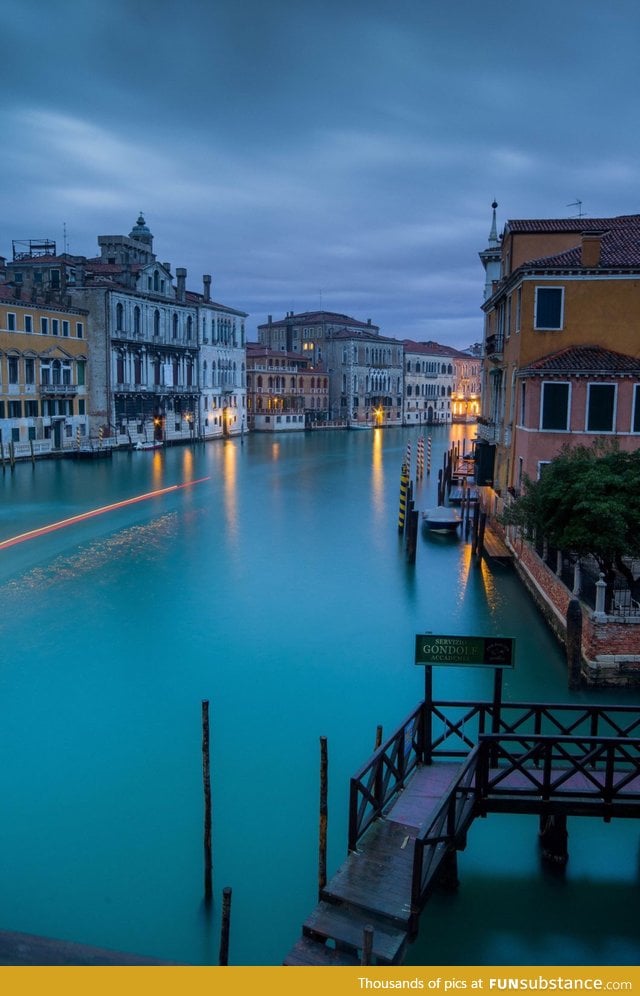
[(58, 390), (494, 345)]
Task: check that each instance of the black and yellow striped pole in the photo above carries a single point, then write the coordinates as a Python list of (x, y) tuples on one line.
[(404, 488)]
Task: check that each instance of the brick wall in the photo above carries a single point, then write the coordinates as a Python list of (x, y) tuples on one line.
[(610, 646)]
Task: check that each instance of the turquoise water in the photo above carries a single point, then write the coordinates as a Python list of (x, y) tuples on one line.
[(277, 588)]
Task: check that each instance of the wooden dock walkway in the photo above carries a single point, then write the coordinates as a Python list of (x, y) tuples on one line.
[(494, 547), (412, 803), (373, 886)]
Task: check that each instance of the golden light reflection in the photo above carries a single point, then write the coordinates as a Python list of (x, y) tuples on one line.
[(230, 471), (377, 475), (275, 451), (157, 468), (187, 463)]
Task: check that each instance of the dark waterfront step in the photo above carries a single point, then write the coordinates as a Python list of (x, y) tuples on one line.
[(30, 949), (345, 925), (306, 951)]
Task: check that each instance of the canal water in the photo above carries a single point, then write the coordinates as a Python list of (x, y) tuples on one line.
[(274, 585)]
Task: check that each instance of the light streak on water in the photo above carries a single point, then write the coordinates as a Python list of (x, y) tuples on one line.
[(72, 520)]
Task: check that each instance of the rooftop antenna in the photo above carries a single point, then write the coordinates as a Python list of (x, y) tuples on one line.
[(321, 299), (577, 203), (64, 236)]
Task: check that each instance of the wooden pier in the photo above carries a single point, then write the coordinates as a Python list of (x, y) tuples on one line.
[(412, 803)]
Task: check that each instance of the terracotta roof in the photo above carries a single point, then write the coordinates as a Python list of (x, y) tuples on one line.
[(592, 360), (317, 317), (431, 348), (572, 224)]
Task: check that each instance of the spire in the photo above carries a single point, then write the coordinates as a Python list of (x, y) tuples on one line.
[(493, 234)]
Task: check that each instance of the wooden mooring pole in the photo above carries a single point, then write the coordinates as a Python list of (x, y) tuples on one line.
[(378, 737), (223, 958), (206, 781), (322, 835), (367, 945)]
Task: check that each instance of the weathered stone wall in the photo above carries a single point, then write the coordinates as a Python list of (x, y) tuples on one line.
[(610, 645)]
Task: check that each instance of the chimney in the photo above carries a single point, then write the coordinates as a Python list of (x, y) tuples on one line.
[(206, 280), (368, 321), (181, 277), (269, 319), (591, 247)]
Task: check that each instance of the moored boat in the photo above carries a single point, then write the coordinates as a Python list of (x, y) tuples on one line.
[(441, 519)]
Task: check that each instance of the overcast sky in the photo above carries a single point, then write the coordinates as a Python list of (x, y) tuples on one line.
[(307, 153)]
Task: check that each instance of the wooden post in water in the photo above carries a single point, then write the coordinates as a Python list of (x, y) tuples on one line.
[(481, 528), (33, 456), (378, 737), (476, 522), (206, 781), (322, 845), (12, 454), (412, 534), (554, 839), (574, 644), (223, 958), (367, 945), (1, 449)]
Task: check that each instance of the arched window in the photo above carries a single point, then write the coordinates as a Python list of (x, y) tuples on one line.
[(119, 316), (189, 327), (175, 326), (156, 322), (156, 280), (136, 320)]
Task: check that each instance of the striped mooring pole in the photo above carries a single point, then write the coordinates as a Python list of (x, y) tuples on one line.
[(428, 456), (404, 487), (420, 458)]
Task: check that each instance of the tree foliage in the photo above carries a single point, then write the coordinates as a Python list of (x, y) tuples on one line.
[(586, 501)]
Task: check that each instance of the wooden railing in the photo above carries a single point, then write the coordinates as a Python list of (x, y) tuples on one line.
[(446, 831), (384, 774), (456, 730), (528, 770)]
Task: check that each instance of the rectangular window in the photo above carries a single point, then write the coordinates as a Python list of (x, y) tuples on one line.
[(13, 369), (11, 322), (601, 404), (65, 327), (44, 326), (31, 409), (15, 409), (636, 409), (55, 326), (81, 406), (555, 407), (79, 330), (29, 370), (549, 308), (518, 308), (80, 371), (28, 323)]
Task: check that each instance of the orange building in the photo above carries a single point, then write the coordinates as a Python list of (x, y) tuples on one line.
[(561, 346)]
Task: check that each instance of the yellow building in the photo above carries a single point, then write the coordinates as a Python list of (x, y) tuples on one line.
[(562, 308), (43, 376)]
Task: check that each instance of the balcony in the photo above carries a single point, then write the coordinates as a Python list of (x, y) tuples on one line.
[(58, 390), (494, 346)]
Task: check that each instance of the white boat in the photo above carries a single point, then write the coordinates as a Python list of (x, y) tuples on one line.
[(441, 519), (360, 425), (148, 445)]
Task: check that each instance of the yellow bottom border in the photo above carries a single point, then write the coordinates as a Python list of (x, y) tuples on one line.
[(289, 981)]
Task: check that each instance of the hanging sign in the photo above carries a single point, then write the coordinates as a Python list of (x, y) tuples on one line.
[(465, 651)]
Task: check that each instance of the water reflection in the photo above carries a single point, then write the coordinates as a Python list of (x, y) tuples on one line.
[(377, 477), (230, 471)]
